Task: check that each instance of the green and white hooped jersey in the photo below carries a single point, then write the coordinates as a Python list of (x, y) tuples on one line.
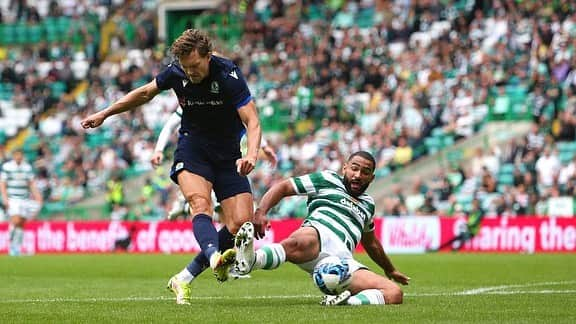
[(331, 206), (17, 178)]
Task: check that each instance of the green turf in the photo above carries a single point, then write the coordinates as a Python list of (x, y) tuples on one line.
[(130, 289)]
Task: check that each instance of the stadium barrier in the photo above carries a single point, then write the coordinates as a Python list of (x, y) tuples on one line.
[(397, 234)]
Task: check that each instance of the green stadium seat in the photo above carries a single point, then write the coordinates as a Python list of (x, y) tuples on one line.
[(454, 156), (50, 30), (316, 12), (507, 168), (21, 33), (506, 179), (433, 144), (8, 35), (63, 24), (437, 132), (448, 140), (382, 172), (58, 88), (565, 157), (365, 18), (6, 91), (34, 34)]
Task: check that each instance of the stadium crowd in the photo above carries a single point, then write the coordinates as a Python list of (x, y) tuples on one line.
[(381, 76)]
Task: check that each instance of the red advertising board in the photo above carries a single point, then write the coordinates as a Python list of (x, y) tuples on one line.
[(98, 237), (397, 234), (519, 234)]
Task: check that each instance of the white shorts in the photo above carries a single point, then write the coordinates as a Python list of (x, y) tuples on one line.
[(331, 245), (25, 208)]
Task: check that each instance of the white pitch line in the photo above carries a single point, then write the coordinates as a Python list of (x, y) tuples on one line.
[(494, 290), (483, 290), (159, 298)]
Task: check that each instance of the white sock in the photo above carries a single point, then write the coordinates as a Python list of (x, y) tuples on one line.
[(185, 276), (270, 256), (10, 232), (16, 239), (367, 297)]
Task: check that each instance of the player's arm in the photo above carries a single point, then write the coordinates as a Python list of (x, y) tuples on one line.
[(269, 153), (36, 195), (131, 100), (169, 128), (374, 249), (3, 190), (249, 116), (270, 199)]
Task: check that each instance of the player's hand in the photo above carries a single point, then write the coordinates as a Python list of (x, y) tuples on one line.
[(399, 277), (245, 165), (93, 120), (270, 156), (157, 158), (260, 224)]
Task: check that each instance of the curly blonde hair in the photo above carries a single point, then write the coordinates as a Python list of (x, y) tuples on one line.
[(191, 40)]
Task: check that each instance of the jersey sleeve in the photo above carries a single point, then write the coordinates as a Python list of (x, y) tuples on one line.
[(369, 205), (311, 184), (165, 78), (237, 88), (168, 129)]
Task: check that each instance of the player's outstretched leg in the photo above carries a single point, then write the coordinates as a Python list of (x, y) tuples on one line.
[(244, 243), (181, 289), (335, 300), (221, 263)]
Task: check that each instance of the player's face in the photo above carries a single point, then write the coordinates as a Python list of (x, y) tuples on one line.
[(358, 173), (18, 156), (195, 66)]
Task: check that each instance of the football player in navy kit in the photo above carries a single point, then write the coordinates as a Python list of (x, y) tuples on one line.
[(217, 109)]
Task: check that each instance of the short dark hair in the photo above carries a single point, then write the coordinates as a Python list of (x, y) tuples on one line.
[(365, 155), (191, 40)]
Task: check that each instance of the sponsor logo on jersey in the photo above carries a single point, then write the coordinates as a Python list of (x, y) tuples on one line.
[(234, 75), (353, 207), (214, 87)]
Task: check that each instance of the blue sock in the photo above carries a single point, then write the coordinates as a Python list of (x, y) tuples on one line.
[(200, 262), (225, 239), (205, 234)]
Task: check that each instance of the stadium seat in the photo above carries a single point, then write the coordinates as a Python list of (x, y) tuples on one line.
[(507, 168), (58, 88), (382, 172), (433, 144), (34, 34), (454, 156), (437, 132), (63, 24), (365, 18), (51, 29), (506, 179), (448, 140), (6, 34), (565, 157)]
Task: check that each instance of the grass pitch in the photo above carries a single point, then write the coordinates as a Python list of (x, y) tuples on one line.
[(126, 288)]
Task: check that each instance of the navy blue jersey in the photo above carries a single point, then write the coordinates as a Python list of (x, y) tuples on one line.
[(209, 108)]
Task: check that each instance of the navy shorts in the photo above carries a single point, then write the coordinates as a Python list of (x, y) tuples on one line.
[(215, 163)]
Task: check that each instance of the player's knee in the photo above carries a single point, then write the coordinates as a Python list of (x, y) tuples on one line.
[(234, 225), (298, 250), (199, 204), (394, 295)]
